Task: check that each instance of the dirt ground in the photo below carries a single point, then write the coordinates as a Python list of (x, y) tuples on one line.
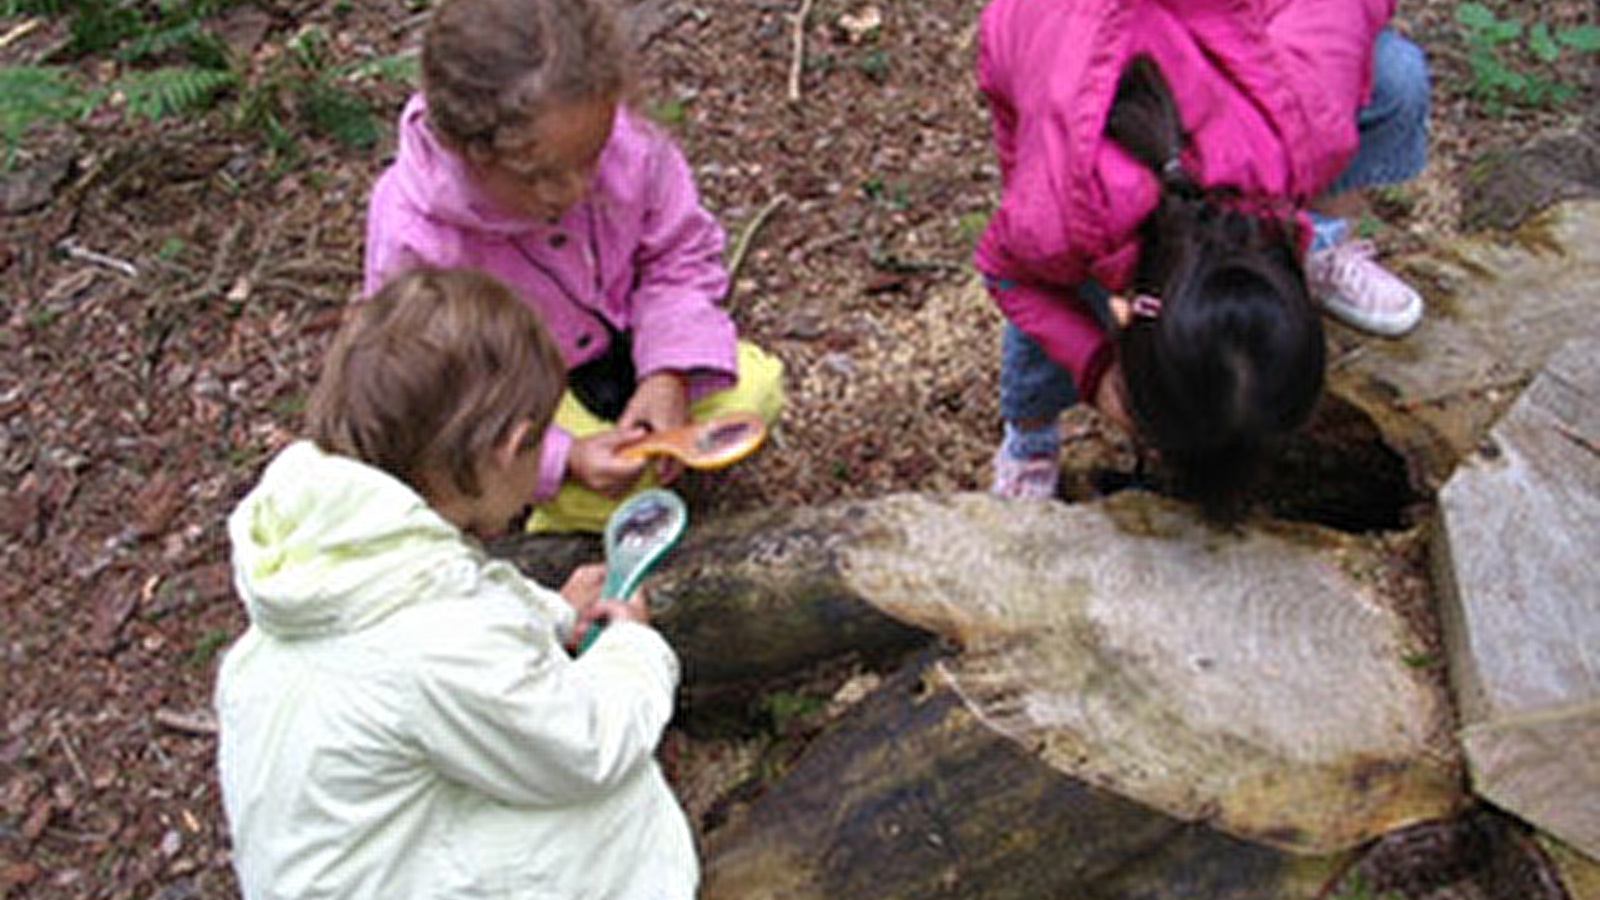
[(166, 291)]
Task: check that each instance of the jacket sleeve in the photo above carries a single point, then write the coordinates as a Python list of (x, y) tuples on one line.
[(991, 84), (505, 710), (1324, 51), (677, 321), (1031, 273), (1330, 41), (390, 246), (554, 449), (1064, 328)]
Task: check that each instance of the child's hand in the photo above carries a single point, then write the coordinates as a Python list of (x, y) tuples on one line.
[(594, 462), (600, 612), (660, 402), (1108, 398), (583, 586)]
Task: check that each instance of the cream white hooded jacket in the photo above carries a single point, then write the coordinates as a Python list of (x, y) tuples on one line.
[(400, 720)]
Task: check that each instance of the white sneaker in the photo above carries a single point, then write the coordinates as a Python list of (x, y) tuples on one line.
[(1346, 281), (1032, 478)]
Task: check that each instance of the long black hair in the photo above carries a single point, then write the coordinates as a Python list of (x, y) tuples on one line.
[(1234, 361)]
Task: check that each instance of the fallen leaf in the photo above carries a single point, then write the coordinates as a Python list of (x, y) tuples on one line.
[(21, 513), (201, 721), (114, 606), (19, 874), (156, 505), (38, 820), (862, 24)]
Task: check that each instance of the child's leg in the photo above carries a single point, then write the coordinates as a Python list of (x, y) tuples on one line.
[(1342, 273), (759, 390), (577, 508), (1034, 390), (1394, 123)]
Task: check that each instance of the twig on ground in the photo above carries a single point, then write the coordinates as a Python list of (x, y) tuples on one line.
[(219, 261), (743, 246), (889, 261), (18, 33), (797, 64), (831, 241), (84, 254), (202, 722), (60, 737), (411, 22)]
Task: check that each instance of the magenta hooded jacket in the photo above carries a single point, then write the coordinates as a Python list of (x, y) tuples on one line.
[(639, 251), (1267, 89)]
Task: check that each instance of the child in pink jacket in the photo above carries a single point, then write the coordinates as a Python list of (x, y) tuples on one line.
[(1169, 157), (520, 158)]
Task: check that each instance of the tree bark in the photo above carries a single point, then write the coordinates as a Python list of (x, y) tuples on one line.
[(911, 796)]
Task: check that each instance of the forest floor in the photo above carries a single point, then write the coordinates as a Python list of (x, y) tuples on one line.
[(167, 289)]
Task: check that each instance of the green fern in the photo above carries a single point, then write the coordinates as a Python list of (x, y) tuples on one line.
[(32, 7), (30, 95), (188, 40), (158, 93), (396, 68), (301, 89), (341, 115)]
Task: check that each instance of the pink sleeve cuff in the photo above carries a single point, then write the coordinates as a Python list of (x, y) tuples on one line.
[(553, 451)]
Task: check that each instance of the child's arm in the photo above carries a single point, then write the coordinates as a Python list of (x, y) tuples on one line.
[(1064, 327), (502, 708), (678, 323), (1323, 55), (397, 238)]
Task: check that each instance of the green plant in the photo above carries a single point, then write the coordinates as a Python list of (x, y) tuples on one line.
[(1420, 659), (874, 64), (207, 646), (972, 224), (288, 405), (301, 85), (171, 90), (172, 247), (1514, 64), (669, 112), (30, 94), (785, 708), (1358, 889), (174, 64)]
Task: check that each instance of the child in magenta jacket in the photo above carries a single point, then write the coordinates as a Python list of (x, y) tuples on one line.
[(1178, 152), (520, 157)]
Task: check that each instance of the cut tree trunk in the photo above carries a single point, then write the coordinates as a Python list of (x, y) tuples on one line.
[(912, 796), (1257, 682), (1497, 308)]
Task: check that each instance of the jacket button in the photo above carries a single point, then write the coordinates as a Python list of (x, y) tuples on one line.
[(584, 340), (558, 240)]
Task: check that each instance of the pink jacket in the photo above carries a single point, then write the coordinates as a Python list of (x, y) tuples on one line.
[(1268, 90), (639, 251)]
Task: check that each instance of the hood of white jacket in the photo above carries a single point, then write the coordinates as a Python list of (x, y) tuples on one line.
[(327, 545)]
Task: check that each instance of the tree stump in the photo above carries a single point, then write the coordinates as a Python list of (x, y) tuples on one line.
[(1498, 307)]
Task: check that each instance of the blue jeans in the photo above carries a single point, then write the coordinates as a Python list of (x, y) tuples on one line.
[(1394, 147), (1393, 126)]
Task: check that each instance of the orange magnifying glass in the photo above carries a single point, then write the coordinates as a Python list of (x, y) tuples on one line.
[(707, 444)]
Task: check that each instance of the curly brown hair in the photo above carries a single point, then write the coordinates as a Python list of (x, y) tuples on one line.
[(490, 67), (431, 373)]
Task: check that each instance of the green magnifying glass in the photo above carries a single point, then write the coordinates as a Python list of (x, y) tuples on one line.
[(638, 534)]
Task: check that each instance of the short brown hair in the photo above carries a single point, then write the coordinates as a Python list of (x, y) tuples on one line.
[(431, 373), (490, 67)]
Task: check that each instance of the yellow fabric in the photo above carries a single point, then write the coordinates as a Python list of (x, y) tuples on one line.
[(577, 508)]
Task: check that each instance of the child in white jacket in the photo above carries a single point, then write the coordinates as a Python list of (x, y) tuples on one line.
[(401, 719)]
